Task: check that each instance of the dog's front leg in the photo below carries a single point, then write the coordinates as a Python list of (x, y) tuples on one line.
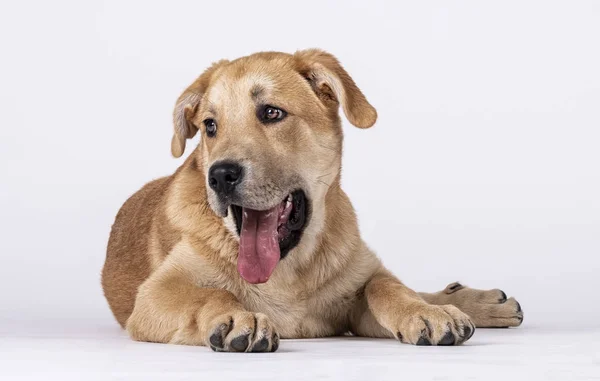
[(390, 309), (171, 309)]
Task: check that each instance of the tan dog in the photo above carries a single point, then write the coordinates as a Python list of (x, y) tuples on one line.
[(252, 238)]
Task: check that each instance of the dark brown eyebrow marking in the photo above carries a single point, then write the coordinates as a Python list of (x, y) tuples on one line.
[(256, 91)]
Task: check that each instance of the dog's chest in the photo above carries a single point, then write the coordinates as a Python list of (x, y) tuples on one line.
[(300, 315)]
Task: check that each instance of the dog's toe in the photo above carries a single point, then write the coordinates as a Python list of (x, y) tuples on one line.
[(261, 346), (448, 339), (468, 332), (218, 334), (274, 343), (240, 343), (423, 341), (503, 297)]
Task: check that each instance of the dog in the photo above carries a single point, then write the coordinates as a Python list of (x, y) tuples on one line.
[(252, 238)]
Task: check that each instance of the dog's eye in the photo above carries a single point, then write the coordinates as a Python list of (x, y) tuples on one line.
[(271, 114), (211, 127)]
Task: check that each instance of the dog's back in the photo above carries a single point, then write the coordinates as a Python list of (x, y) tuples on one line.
[(128, 262)]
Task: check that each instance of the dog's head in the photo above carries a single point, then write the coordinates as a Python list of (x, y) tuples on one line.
[(271, 146)]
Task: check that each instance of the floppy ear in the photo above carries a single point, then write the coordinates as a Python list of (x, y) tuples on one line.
[(331, 82), (185, 108)]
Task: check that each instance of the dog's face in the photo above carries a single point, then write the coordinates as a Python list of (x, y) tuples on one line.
[(270, 147)]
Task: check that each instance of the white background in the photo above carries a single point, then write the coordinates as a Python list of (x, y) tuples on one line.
[(483, 166)]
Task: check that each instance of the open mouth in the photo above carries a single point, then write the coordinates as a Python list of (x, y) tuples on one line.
[(266, 236)]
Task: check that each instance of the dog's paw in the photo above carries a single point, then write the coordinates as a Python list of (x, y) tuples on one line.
[(435, 325), (487, 308), (243, 332)]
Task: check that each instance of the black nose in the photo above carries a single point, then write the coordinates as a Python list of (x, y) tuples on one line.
[(224, 177)]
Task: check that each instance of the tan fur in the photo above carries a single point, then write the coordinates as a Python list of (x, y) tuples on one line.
[(170, 274), (486, 308)]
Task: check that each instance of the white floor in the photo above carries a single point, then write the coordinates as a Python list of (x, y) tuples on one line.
[(105, 353)]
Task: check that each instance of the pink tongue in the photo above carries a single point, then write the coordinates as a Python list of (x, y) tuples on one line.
[(259, 246)]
